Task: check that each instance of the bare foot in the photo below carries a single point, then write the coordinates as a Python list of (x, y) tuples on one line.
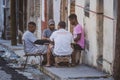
[(47, 65)]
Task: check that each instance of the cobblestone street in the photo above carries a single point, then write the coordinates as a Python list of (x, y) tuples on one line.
[(4, 75), (9, 72)]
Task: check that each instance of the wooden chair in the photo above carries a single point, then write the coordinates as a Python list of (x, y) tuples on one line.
[(29, 55)]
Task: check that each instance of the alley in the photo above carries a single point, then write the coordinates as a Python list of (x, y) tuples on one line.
[(94, 27), (10, 68)]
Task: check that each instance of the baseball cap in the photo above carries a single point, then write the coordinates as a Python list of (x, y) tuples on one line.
[(51, 21)]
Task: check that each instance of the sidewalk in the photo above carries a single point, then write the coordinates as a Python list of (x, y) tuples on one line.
[(17, 49), (80, 72)]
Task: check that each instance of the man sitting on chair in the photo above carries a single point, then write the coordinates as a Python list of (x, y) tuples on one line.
[(30, 41), (62, 40)]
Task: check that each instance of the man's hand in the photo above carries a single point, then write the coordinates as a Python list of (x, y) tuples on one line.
[(78, 37)]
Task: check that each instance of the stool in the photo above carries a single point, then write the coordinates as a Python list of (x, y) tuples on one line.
[(64, 59), (28, 55)]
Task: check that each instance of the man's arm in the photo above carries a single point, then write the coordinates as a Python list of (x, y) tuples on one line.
[(78, 37), (52, 37), (44, 36)]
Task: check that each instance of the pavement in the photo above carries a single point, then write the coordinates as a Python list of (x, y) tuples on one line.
[(3, 75), (80, 72)]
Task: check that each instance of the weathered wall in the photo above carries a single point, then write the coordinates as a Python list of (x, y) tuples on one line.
[(89, 23), (98, 23), (68, 7), (30, 10), (34, 13), (80, 11), (99, 29), (108, 47), (56, 11), (1, 15)]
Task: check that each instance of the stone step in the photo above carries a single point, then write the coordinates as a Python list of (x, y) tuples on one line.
[(80, 72)]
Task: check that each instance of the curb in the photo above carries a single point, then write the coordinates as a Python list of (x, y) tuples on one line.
[(50, 74)]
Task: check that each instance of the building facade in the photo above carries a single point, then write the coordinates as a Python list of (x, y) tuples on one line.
[(5, 18), (1, 17), (99, 22), (97, 17)]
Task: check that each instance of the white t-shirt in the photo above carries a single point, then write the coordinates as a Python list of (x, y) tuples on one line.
[(62, 42)]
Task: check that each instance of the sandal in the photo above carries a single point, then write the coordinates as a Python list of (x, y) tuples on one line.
[(47, 65)]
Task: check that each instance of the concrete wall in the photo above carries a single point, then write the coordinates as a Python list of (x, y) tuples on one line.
[(80, 11), (89, 25), (108, 47), (1, 15), (7, 14), (68, 14), (34, 13), (99, 34), (38, 15), (56, 11)]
